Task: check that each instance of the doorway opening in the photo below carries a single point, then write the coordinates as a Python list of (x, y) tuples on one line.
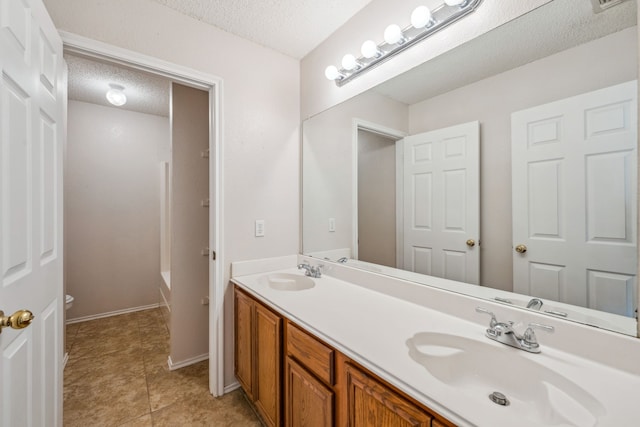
[(376, 170), (189, 82)]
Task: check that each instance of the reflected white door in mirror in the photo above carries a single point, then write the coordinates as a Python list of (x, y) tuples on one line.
[(574, 200), (441, 203)]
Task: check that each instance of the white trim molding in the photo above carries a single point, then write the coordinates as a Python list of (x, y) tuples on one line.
[(188, 362), (231, 387), (111, 313), (214, 85)]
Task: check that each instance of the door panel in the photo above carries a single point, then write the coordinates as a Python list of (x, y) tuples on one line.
[(32, 96), (442, 203), (574, 204)]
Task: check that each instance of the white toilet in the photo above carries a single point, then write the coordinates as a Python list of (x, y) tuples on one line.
[(68, 299)]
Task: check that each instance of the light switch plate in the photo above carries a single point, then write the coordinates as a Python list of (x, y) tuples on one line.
[(332, 225), (259, 227)]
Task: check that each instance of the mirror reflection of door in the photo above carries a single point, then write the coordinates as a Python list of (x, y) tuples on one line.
[(574, 199), (442, 203)]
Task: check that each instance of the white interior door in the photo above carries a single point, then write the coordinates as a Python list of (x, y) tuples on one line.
[(32, 102), (574, 199), (442, 203)]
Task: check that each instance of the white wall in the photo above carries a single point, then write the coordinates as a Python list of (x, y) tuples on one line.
[(491, 101), (318, 93), (261, 115), (328, 167), (112, 215)]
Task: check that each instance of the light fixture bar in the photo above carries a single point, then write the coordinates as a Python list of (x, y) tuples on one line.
[(442, 17)]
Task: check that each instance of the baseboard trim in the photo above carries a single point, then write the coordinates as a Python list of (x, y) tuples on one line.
[(173, 366), (231, 387), (166, 303), (111, 313)]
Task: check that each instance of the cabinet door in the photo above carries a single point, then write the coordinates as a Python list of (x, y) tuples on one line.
[(309, 403), (243, 342), (266, 389), (372, 404)]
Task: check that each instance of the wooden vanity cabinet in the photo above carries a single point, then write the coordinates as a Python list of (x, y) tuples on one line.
[(309, 380), (318, 386), (308, 402), (258, 356), (371, 403)]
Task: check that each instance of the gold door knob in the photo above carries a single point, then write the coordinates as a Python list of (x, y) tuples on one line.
[(521, 249), (471, 243), (18, 320)]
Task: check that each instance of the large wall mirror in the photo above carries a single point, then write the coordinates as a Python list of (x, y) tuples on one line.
[(504, 169)]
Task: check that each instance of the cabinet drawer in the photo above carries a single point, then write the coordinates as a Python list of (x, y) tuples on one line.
[(313, 354)]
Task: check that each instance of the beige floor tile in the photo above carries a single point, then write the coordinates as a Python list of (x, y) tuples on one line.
[(143, 421), (168, 387), (117, 374), (96, 344), (155, 360), (112, 400), (153, 342), (229, 410), (90, 369)]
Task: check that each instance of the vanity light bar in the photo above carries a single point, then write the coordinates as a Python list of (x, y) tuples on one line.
[(397, 40)]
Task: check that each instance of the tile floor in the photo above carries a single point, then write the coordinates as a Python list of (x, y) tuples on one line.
[(117, 375)]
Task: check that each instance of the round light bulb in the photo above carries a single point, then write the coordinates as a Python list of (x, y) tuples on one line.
[(454, 2), (349, 62), (393, 35), (370, 49), (116, 96), (331, 72), (421, 17)]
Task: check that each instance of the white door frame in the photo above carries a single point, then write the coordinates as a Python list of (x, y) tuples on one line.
[(360, 124), (214, 85)]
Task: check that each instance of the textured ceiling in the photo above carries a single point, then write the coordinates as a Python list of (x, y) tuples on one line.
[(552, 28), (89, 82), (293, 27)]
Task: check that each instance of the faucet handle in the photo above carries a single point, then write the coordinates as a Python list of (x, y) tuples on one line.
[(494, 321), (529, 336)]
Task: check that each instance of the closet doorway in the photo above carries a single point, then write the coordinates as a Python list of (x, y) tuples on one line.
[(188, 171)]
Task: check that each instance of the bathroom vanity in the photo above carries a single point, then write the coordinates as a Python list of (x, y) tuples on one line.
[(280, 365), (355, 348)]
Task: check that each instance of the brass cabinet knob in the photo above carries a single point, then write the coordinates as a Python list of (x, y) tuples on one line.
[(18, 320), (521, 249), (471, 243)]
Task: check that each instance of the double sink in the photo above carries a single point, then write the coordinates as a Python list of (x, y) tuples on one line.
[(536, 389)]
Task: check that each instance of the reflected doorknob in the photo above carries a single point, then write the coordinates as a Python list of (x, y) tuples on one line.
[(521, 249), (471, 243), (18, 320)]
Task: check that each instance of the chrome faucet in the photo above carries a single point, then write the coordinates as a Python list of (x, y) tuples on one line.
[(310, 270), (535, 304), (505, 334)]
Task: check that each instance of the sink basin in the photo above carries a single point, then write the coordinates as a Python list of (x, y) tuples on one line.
[(288, 282), (477, 369)]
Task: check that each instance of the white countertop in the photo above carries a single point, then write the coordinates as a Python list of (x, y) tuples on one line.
[(373, 328)]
